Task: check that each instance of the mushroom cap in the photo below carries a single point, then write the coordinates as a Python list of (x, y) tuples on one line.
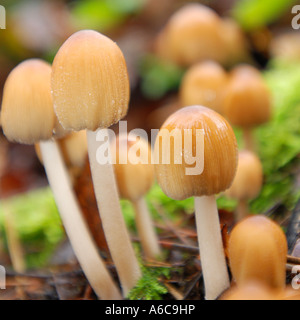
[(236, 46), (134, 179), (247, 102), (27, 109), (248, 180), (204, 84), (220, 153), (257, 252), (249, 291), (90, 85), (192, 34)]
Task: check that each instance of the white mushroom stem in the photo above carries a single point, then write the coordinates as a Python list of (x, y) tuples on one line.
[(242, 210), (146, 230), (248, 139), (80, 238), (13, 241), (213, 262), (113, 223)]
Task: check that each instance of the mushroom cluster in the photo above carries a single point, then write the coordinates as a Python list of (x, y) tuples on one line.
[(28, 117)]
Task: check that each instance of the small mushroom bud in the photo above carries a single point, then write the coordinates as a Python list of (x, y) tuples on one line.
[(135, 178), (192, 34), (199, 136), (247, 102), (28, 117), (204, 84), (247, 182), (90, 89), (257, 252)]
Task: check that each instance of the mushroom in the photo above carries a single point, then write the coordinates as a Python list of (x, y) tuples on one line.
[(247, 102), (199, 133), (192, 34), (289, 294), (249, 291), (74, 151), (203, 84), (28, 117), (257, 251), (90, 89), (135, 177), (236, 47), (247, 182)]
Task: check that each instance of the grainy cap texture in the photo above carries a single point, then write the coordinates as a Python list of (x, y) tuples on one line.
[(27, 108), (249, 177), (257, 252), (220, 154), (134, 179), (192, 34), (204, 84), (90, 84), (247, 102)]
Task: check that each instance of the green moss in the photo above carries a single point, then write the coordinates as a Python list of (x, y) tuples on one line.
[(38, 224)]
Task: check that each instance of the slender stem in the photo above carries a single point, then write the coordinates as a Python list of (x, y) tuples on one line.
[(14, 245), (114, 227), (214, 268), (146, 229), (76, 228), (248, 140), (242, 210)]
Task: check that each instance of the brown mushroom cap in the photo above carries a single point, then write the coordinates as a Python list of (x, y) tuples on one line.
[(257, 252), (235, 43), (90, 85), (27, 109), (247, 102), (192, 34), (134, 179), (204, 84), (249, 177), (220, 154)]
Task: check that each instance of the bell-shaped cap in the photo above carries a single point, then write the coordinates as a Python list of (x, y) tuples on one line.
[(195, 153), (90, 85), (27, 109)]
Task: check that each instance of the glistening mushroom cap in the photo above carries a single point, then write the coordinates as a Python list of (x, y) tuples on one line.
[(134, 179), (257, 252), (220, 154), (27, 109), (90, 85), (247, 102), (204, 84)]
